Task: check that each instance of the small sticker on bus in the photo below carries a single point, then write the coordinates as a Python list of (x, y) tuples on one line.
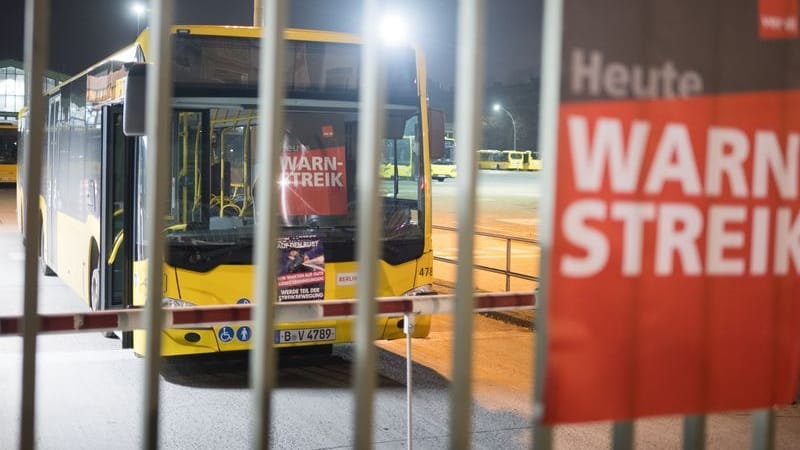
[(225, 334), (244, 334), (347, 279)]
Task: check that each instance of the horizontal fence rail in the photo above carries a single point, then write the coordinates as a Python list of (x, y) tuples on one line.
[(508, 273), (133, 319)]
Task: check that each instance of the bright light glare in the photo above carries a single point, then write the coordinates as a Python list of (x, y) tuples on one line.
[(496, 107), (137, 9), (394, 29)]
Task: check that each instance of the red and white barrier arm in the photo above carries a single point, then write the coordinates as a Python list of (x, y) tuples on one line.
[(203, 316)]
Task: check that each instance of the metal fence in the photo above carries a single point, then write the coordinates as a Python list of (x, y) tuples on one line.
[(506, 271), (469, 107)]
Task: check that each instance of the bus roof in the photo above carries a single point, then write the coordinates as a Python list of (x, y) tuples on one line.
[(128, 53)]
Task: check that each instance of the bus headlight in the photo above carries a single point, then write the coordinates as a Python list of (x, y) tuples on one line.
[(167, 302), (425, 289)]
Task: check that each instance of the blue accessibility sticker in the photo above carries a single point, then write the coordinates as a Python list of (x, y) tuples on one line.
[(242, 301), (225, 334), (244, 334)]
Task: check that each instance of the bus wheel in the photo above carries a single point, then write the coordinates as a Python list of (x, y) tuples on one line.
[(46, 270)]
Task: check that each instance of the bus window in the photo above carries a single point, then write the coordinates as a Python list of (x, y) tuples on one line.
[(8, 154)]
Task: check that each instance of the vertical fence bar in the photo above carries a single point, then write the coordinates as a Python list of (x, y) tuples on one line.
[(269, 143), (508, 265), (469, 110), (158, 126), (622, 435), (37, 21), (694, 432), (548, 141), (370, 213), (763, 421)]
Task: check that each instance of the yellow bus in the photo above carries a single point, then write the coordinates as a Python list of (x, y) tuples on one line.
[(8, 152), (93, 201), (445, 167), (500, 159), (488, 159), (531, 160)]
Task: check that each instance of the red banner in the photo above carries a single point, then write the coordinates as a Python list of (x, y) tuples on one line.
[(676, 257)]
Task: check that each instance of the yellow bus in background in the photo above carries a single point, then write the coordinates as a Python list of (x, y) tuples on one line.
[(531, 160), (93, 204), (445, 167), (510, 160), (500, 159), (8, 152), (398, 158), (488, 159)]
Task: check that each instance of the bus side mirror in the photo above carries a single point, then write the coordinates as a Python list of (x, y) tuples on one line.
[(436, 133), (134, 106)]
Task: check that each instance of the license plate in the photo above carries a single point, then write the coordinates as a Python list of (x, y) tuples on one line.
[(305, 335)]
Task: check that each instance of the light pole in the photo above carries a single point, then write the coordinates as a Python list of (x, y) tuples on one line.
[(138, 9), (498, 107)]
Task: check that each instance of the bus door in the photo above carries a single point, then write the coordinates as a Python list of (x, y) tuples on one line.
[(114, 267), (50, 187)]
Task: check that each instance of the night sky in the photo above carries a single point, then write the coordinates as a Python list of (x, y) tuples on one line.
[(85, 31)]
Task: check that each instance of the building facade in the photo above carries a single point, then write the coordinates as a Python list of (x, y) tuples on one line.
[(12, 87)]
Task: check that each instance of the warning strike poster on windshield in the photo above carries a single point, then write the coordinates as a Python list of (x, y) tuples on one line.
[(675, 260), (314, 182)]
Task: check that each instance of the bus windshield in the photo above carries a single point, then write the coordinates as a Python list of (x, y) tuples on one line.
[(8, 146), (212, 208)]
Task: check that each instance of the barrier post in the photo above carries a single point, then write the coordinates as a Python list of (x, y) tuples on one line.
[(409, 320)]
